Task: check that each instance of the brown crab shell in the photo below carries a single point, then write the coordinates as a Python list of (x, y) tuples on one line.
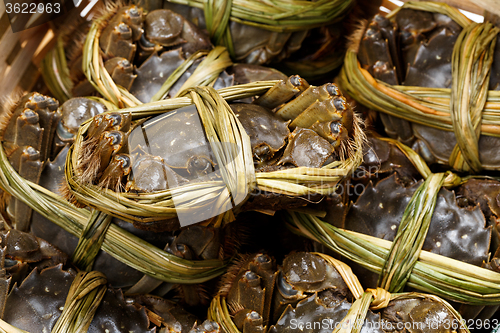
[(268, 133)]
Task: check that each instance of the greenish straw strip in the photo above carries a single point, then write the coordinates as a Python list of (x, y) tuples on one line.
[(410, 236), (84, 297), (91, 240)]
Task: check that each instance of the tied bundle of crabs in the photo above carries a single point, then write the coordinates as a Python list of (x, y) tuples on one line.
[(146, 111)]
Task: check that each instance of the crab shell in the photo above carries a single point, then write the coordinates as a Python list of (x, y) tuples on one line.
[(425, 54), (178, 138), (268, 132)]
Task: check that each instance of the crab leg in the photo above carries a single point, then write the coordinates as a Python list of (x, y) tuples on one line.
[(333, 131), (292, 109), (330, 109), (119, 167), (122, 71), (282, 92)]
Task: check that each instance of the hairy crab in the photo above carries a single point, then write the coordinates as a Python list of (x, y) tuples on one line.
[(141, 50), (194, 243), (171, 149), (308, 294), (415, 49), (38, 302), (464, 225)]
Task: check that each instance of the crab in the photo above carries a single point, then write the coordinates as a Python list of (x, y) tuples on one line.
[(422, 59), (21, 252), (252, 45), (304, 292), (140, 51), (170, 150), (196, 242), (464, 224), (38, 302)]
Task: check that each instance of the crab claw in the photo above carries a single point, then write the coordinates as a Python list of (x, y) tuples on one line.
[(109, 121), (118, 37), (27, 139), (116, 41), (333, 131), (282, 92), (132, 16), (249, 321), (329, 110), (118, 168), (110, 143), (121, 71), (293, 108)]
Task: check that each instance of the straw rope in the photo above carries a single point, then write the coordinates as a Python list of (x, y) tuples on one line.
[(468, 109), (471, 66), (90, 240), (412, 230), (84, 296), (278, 16), (217, 15)]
